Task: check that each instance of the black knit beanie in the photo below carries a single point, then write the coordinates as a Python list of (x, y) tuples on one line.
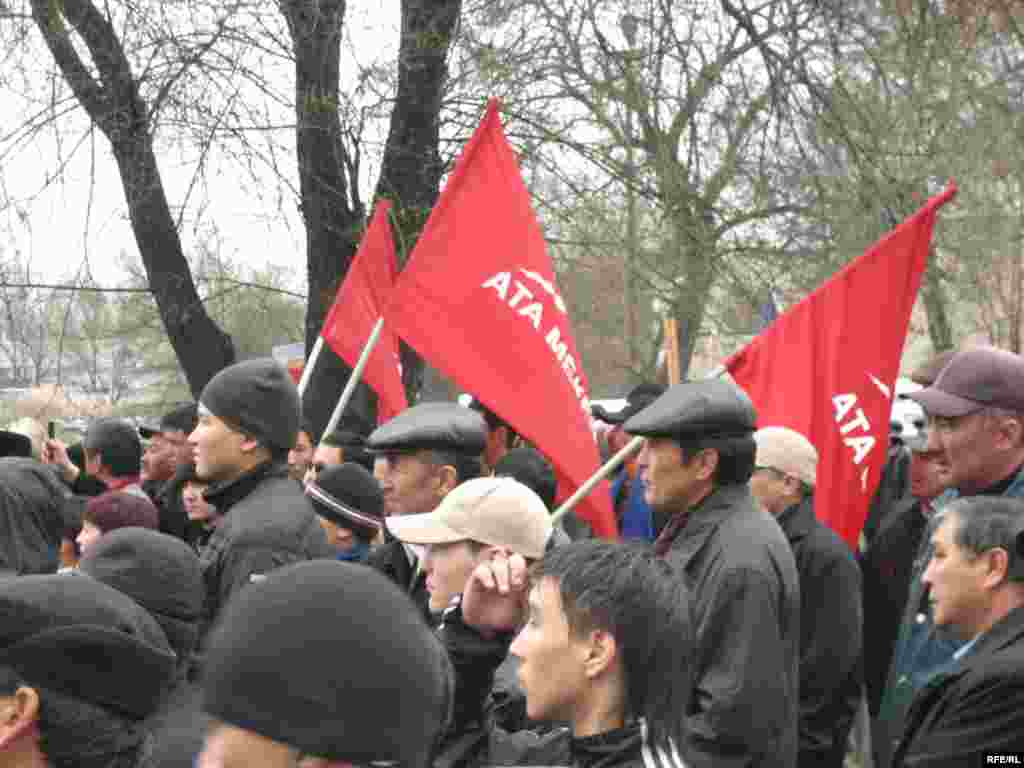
[(159, 572), (259, 398), (332, 659), (74, 635), (350, 496)]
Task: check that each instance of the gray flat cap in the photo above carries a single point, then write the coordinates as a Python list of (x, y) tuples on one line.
[(694, 409), (443, 426)]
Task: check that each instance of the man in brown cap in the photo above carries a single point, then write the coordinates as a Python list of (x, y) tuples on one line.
[(975, 412)]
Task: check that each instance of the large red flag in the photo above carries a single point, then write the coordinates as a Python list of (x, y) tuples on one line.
[(478, 300), (827, 367), (357, 307)]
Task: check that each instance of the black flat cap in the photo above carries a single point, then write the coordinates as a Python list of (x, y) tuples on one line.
[(697, 409), (443, 426), (74, 635), (159, 572), (15, 444)]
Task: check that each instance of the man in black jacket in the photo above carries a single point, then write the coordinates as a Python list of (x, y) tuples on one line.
[(698, 457), (248, 418), (975, 708), (421, 455), (831, 658)]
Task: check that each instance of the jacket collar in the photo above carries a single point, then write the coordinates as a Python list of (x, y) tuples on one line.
[(704, 519), (225, 495), (609, 748), (798, 521), (1006, 631)]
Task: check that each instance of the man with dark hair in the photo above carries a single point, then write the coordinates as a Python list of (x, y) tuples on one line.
[(421, 455), (167, 451), (356, 677), (975, 413), (831, 643), (698, 457), (301, 454), (113, 455), (636, 521), (501, 438), (60, 704), (606, 648), (529, 467), (974, 709), (33, 517), (248, 418), (336, 448)]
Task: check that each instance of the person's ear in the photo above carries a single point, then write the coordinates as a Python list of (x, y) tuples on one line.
[(447, 479), (707, 463), (602, 650), (997, 562), (18, 714)]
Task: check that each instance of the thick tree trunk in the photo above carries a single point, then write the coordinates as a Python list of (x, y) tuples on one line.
[(113, 103), (936, 305), (411, 172)]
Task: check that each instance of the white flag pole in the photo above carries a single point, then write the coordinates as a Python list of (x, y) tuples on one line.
[(357, 374), (610, 466), (307, 370)]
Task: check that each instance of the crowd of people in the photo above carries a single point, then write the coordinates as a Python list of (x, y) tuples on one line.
[(228, 588)]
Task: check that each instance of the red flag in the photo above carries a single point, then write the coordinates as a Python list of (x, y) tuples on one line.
[(478, 300), (827, 367), (359, 304)]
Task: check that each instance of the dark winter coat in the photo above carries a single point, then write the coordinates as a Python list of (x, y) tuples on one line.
[(973, 709), (746, 609), (831, 659), (392, 560), (268, 523), (32, 519)]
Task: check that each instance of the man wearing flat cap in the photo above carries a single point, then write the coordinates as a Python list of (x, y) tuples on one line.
[(974, 709), (421, 455), (248, 417), (975, 411), (698, 457), (831, 637)]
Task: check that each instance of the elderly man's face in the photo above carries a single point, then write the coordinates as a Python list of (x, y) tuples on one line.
[(410, 481), (929, 474), (955, 580)]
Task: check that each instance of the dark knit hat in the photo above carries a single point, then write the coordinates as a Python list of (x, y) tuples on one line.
[(121, 509), (259, 398), (159, 572), (366, 680), (73, 635), (348, 495)]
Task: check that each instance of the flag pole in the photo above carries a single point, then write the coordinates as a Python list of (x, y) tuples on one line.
[(353, 379), (610, 466), (307, 370)]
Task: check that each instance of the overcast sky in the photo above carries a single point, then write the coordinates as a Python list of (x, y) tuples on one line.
[(82, 218)]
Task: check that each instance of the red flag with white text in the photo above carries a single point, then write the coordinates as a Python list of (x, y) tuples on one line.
[(478, 301), (827, 367), (357, 307)]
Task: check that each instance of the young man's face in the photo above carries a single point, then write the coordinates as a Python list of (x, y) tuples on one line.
[(161, 457), (552, 668), (196, 507), (217, 449), (448, 568)]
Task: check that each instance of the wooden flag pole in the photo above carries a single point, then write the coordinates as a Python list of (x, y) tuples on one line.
[(353, 379), (672, 351), (610, 466), (307, 370)]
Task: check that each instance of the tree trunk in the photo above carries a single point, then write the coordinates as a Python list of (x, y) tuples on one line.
[(940, 330), (411, 171), (113, 103)]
